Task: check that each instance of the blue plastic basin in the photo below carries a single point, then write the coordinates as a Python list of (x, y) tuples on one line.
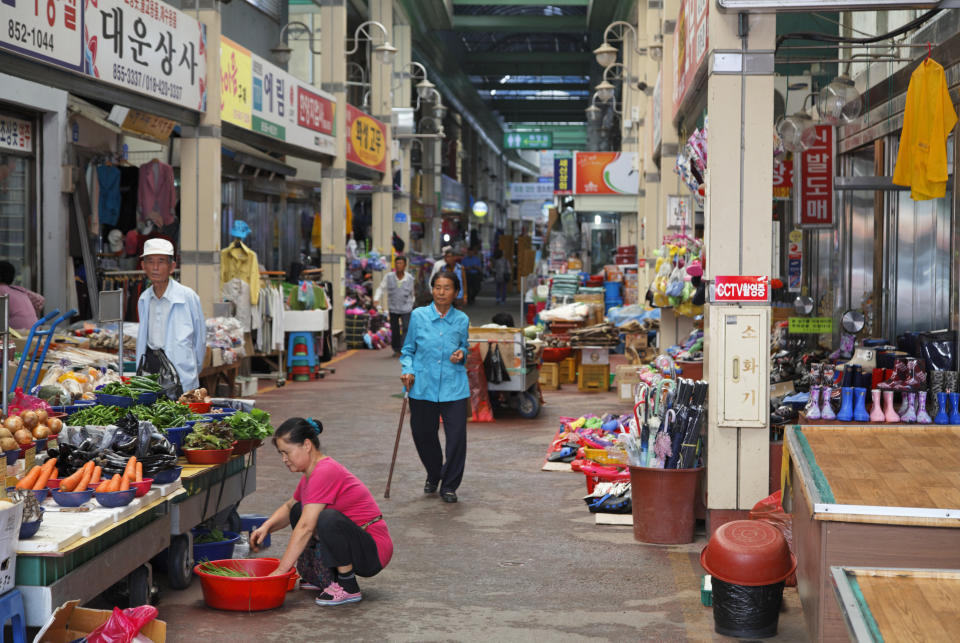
[(176, 435), (214, 551), (71, 498), (115, 498), (167, 475)]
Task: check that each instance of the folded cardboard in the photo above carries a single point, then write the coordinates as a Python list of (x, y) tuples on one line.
[(70, 622)]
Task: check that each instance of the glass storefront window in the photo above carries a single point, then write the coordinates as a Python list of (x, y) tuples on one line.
[(17, 222)]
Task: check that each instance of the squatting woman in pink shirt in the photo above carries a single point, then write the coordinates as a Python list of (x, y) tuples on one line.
[(338, 530)]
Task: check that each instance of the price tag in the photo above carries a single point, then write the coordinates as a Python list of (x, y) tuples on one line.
[(29, 456)]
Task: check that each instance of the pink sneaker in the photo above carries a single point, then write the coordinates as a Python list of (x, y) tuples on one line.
[(310, 586), (336, 595)]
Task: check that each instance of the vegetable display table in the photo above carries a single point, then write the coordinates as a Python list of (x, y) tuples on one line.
[(898, 604), (870, 496)]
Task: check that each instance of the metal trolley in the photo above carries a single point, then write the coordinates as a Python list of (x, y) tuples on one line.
[(521, 391)]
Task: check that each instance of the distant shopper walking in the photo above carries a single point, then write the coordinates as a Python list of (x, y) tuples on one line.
[(434, 372), (501, 275), (399, 288)]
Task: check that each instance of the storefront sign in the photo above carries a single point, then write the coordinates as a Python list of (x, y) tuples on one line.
[(453, 196), (656, 132), (480, 209), (400, 217), (563, 175), (782, 180), (738, 288), (147, 125), (815, 205), (527, 140), (529, 191), (546, 164), (148, 47), (236, 76), (48, 31), (366, 140), (795, 261), (810, 325), (606, 173), (16, 134), (690, 44), (770, 6)]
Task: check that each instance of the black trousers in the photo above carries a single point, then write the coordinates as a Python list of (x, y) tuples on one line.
[(339, 541), (425, 424), (474, 283), (398, 334)]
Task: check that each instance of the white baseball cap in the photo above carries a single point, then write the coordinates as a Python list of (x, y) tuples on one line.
[(157, 247)]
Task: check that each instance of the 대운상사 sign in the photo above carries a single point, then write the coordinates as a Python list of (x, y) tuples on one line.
[(366, 140), (148, 47)]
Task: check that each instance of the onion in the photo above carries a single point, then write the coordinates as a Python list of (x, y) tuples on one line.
[(42, 432), (55, 424), (9, 444), (42, 415), (30, 419), (23, 436), (13, 423)]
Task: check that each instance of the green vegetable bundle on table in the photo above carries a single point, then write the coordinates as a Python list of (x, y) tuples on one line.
[(165, 414), (136, 385), (210, 435), (254, 425), (96, 416)]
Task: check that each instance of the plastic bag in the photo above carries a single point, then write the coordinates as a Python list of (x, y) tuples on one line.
[(479, 397), (746, 612), (22, 402), (770, 510), (494, 367), (156, 362), (123, 626)]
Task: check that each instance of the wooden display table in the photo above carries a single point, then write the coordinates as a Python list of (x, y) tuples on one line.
[(899, 604), (870, 496)]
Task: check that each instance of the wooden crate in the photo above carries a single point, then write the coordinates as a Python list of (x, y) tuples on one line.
[(593, 378), (550, 376)]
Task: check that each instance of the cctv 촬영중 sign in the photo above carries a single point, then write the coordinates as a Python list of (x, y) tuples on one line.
[(739, 288)]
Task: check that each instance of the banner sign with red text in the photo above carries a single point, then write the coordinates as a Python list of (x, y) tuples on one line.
[(729, 289), (366, 140), (815, 205)]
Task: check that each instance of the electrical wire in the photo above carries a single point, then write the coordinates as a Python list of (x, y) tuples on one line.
[(821, 37)]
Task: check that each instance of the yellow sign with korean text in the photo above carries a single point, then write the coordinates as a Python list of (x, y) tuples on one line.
[(236, 78)]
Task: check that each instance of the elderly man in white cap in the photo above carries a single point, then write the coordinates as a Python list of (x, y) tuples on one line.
[(172, 327)]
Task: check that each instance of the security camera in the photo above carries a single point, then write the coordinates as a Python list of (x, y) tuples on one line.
[(642, 86)]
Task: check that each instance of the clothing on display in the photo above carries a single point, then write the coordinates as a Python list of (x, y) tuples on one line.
[(270, 311), (238, 291), (928, 119), (156, 193), (237, 261), (108, 178), (316, 236)]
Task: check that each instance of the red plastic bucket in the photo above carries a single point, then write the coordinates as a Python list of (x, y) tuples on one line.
[(663, 501), (254, 594)]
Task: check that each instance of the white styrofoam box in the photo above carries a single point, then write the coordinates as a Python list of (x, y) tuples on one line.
[(10, 517), (166, 489), (594, 355), (52, 537), (626, 390)]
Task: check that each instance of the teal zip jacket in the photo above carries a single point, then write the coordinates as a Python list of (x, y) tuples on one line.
[(430, 342)]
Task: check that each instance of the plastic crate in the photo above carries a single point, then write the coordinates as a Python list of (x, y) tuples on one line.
[(568, 370), (550, 376), (593, 377)]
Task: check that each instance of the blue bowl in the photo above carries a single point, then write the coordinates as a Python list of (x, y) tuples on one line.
[(39, 494), (115, 498), (30, 529), (41, 444), (147, 398), (12, 456), (167, 475), (222, 550), (176, 435), (190, 423), (73, 408), (114, 400), (71, 498)]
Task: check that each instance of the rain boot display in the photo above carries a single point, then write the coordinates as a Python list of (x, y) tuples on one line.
[(812, 410), (916, 377), (889, 414), (954, 410), (826, 411), (941, 417), (860, 405), (876, 412), (846, 405), (922, 416), (898, 374), (937, 381), (910, 415)]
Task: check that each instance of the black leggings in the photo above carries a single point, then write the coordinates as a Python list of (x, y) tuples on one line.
[(338, 541)]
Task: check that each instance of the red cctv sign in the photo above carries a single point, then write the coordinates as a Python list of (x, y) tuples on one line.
[(740, 288), (816, 181)]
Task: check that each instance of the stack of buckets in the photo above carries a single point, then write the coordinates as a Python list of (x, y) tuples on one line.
[(301, 364), (613, 295)]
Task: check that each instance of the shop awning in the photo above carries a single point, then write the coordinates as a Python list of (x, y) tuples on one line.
[(254, 162)]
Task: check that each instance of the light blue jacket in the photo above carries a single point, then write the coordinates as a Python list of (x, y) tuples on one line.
[(186, 340), (430, 342)]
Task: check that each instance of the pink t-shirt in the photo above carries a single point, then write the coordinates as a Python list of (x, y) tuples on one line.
[(332, 485)]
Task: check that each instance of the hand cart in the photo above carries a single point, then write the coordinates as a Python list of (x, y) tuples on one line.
[(522, 390), (36, 354)]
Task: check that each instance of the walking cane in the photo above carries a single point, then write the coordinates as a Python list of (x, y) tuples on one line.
[(396, 445)]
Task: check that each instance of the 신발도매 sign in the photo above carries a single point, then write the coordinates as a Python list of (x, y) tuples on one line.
[(816, 181)]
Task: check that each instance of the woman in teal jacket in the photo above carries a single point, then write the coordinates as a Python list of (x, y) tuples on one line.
[(434, 372)]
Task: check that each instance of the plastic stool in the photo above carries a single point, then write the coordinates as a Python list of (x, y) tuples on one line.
[(11, 609), (302, 338), (249, 522)]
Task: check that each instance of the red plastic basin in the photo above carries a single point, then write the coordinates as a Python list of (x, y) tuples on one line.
[(208, 456), (748, 552), (260, 592), (557, 354), (200, 407), (142, 487)]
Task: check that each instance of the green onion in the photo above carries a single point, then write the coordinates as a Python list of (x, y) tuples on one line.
[(219, 570)]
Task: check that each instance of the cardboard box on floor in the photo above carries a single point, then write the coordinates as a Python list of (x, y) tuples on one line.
[(69, 623)]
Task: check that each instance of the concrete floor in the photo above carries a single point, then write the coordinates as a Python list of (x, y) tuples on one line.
[(519, 558)]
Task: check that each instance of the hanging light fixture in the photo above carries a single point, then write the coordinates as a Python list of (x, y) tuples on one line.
[(839, 102), (593, 114), (605, 91), (606, 54), (797, 132)]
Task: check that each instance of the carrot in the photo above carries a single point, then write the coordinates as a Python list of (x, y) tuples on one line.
[(70, 482), (131, 470), (56, 473), (103, 486), (97, 472), (124, 483), (139, 476), (115, 483), (86, 476), (27, 481), (45, 472)]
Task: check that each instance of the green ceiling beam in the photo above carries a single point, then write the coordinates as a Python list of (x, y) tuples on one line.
[(520, 24), (521, 3)]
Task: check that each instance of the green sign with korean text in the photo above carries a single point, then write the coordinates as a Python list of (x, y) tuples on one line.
[(528, 140), (810, 325)]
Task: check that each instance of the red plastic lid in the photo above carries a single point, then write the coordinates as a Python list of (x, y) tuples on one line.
[(748, 552)]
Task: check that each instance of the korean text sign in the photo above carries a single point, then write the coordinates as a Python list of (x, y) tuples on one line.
[(236, 79), (563, 175), (741, 288), (606, 173), (366, 140), (690, 45), (48, 31), (145, 46), (815, 205)]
